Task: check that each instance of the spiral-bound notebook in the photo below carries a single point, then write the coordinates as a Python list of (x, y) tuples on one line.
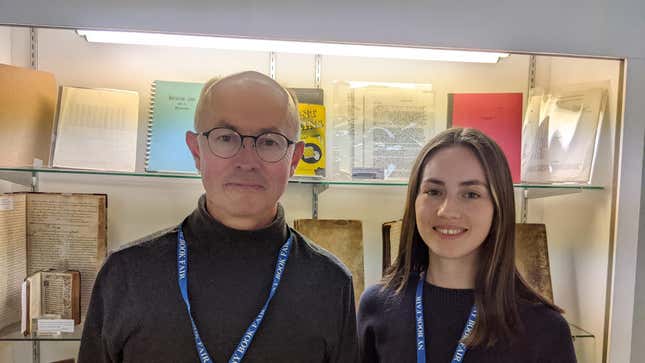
[(172, 112)]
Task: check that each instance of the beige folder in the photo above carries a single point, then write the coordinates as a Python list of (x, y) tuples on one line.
[(27, 108)]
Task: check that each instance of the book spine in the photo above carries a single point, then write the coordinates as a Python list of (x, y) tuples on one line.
[(151, 112)]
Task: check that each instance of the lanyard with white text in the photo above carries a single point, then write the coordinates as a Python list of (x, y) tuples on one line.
[(247, 338), (460, 352)]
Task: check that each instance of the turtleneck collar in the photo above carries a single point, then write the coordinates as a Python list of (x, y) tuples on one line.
[(201, 227)]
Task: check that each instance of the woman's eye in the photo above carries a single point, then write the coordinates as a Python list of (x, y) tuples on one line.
[(433, 192), (472, 195)]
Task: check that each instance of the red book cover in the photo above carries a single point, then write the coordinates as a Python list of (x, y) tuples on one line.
[(498, 115)]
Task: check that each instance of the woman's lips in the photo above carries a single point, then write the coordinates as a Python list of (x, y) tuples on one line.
[(450, 232)]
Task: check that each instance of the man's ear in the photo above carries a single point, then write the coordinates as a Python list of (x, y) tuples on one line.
[(298, 150), (192, 142)]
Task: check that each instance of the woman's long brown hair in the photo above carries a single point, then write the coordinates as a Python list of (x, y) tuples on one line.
[(498, 285)]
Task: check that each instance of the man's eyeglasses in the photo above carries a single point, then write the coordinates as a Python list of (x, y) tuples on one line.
[(271, 147)]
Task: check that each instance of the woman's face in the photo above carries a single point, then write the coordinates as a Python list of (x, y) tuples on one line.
[(454, 209)]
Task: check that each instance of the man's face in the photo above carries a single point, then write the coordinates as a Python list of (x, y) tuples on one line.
[(244, 187)]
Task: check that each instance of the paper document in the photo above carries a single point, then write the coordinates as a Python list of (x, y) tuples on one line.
[(97, 129)]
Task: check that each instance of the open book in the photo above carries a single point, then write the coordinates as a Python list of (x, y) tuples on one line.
[(50, 293), (43, 231)]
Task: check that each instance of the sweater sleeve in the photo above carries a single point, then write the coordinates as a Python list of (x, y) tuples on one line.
[(367, 315), (97, 343), (346, 350)]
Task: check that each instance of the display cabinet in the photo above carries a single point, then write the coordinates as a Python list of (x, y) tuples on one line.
[(578, 216)]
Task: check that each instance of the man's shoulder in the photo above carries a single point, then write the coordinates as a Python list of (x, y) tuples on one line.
[(151, 242), (131, 259), (322, 258)]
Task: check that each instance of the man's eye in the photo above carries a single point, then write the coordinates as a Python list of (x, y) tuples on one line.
[(224, 138)]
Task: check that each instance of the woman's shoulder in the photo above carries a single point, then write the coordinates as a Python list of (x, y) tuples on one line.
[(378, 297), (548, 332), (538, 317), (373, 296)]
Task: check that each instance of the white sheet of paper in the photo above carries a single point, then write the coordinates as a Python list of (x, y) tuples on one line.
[(55, 325), (388, 122), (97, 129)]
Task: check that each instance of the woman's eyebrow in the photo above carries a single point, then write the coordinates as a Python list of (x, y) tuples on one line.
[(472, 182)]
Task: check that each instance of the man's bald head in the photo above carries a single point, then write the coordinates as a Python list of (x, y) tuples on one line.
[(250, 79)]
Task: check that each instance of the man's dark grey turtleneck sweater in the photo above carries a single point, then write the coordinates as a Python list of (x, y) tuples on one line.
[(136, 313)]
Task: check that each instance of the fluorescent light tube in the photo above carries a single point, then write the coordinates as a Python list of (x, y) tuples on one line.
[(280, 46)]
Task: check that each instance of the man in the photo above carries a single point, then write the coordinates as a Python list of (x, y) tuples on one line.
[(240, 285)]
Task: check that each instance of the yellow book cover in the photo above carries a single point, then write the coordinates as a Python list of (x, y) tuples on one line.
[(312, 125)]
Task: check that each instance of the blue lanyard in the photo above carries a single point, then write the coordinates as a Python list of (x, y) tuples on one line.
[(247, 338), (461, 350)]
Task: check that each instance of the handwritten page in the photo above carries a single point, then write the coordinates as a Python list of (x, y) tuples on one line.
[(67, 232), (380, 126), (13, 255)]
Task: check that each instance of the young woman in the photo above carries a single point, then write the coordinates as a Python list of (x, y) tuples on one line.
[(454, 294)]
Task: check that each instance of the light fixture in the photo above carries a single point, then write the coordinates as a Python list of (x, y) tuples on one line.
[(280, 46), (362, 84)]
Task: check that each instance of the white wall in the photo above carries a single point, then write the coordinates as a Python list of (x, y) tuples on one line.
[(5, 45), (20, 47), (638, 343), (629, 190)]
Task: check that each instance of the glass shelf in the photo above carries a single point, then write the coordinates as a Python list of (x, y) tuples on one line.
[(295, 180), (12, 333), (579, 333)]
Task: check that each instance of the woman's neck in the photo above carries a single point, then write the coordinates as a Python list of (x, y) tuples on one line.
[(453, 273)]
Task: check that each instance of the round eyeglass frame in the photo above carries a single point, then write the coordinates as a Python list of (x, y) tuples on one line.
[(241, 145)]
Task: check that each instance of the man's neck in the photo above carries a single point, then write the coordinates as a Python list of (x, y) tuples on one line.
[(453, 273), (243, 223)]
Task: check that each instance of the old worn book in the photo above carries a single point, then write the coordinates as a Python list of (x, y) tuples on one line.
[(51, 293), (343, 238), (27, 109), (43, 231), (391, 240), (532, 257)]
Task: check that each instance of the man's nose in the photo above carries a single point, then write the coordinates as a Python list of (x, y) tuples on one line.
[(247, 158), (251, 142)]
